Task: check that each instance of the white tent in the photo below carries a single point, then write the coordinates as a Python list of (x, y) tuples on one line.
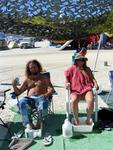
[(65, 44), (12, 44)]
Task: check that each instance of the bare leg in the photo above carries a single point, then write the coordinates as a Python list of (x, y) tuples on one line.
[(75, 101), (90, 106), (38, 124)]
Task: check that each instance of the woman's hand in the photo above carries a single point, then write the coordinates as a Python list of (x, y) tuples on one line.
[(67, 85), (97, 87)]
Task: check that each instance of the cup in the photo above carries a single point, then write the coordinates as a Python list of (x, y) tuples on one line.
[(105, 63)]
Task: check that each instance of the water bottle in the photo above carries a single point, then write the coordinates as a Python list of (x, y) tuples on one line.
[(28, 132), (17, 80), (31, 133), (67, 129), (37, 133)]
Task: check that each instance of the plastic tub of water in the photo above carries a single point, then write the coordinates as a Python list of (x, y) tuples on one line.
[(83, 127)]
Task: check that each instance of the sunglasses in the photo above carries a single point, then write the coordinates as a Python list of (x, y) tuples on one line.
[(80, 60)]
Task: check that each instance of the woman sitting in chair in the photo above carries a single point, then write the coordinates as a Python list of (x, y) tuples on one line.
[(39, 89), (80, 80)]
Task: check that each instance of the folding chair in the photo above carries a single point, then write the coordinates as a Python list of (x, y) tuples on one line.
[(45, 112), (2, 103), (110, 74)]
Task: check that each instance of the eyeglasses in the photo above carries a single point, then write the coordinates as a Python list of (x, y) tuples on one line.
[(79, 60)]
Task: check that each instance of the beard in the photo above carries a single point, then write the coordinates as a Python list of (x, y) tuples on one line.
[(35, 73)]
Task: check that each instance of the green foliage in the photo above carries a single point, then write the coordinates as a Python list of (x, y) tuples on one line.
[(38, 20)]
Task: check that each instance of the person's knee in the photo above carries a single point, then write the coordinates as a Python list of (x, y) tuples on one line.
[(74, 98), (22, 103), (74, 101), (89, 97), (45, 103)]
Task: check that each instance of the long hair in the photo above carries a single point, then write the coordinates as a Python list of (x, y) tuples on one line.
[(27, 70)]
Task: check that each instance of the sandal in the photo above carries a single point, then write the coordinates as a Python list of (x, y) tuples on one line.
[(48, 140)]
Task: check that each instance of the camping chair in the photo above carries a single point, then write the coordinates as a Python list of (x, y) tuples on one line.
[(110, 74), (68, 104), (44, 113), (2, 103)]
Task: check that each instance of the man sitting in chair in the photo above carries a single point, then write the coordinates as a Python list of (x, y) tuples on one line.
[(39, 89)]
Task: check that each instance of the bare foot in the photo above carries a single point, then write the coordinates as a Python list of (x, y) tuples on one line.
[(30, 126), (76, 122), (88, 122)]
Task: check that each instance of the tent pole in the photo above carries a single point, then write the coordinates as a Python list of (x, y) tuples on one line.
[(97, 57)]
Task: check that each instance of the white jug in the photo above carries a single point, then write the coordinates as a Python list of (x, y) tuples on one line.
[(31, 133), (28, 133), (67, 129)]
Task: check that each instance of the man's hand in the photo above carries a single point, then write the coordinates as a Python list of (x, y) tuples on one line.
[(14, 82)]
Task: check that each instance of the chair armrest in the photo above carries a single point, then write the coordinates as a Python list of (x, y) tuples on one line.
[(3, 96), (3, 91)]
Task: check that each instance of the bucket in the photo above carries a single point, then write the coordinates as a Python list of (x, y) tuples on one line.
[(83, 127)]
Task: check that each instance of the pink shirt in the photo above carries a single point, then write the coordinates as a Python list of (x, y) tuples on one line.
[(80, 81)]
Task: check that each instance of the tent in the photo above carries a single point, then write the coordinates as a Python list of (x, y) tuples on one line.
[(12, 44), (92, 38), (65, 44)]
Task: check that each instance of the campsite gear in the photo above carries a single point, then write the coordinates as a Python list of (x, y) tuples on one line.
[(3, 96), (67, 129), (105, 117), (31, 133), (19, 134), (28, 132), (110, 74), (83, 127), (17, 80), (48, 140), (67, 126), (105, 114), (20, 144), (105, 63)]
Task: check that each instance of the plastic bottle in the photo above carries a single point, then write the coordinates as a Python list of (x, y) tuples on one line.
[(17, 80), (28, 132), (31, 133), (37, 133), (67, 129)]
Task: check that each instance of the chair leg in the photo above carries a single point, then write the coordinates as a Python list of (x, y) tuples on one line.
[(107, 99), (96, 107), (52, 106), (6, 126)]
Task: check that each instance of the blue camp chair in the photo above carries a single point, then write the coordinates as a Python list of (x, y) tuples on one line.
[(110, 74), (31, 104), (3, 93)]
